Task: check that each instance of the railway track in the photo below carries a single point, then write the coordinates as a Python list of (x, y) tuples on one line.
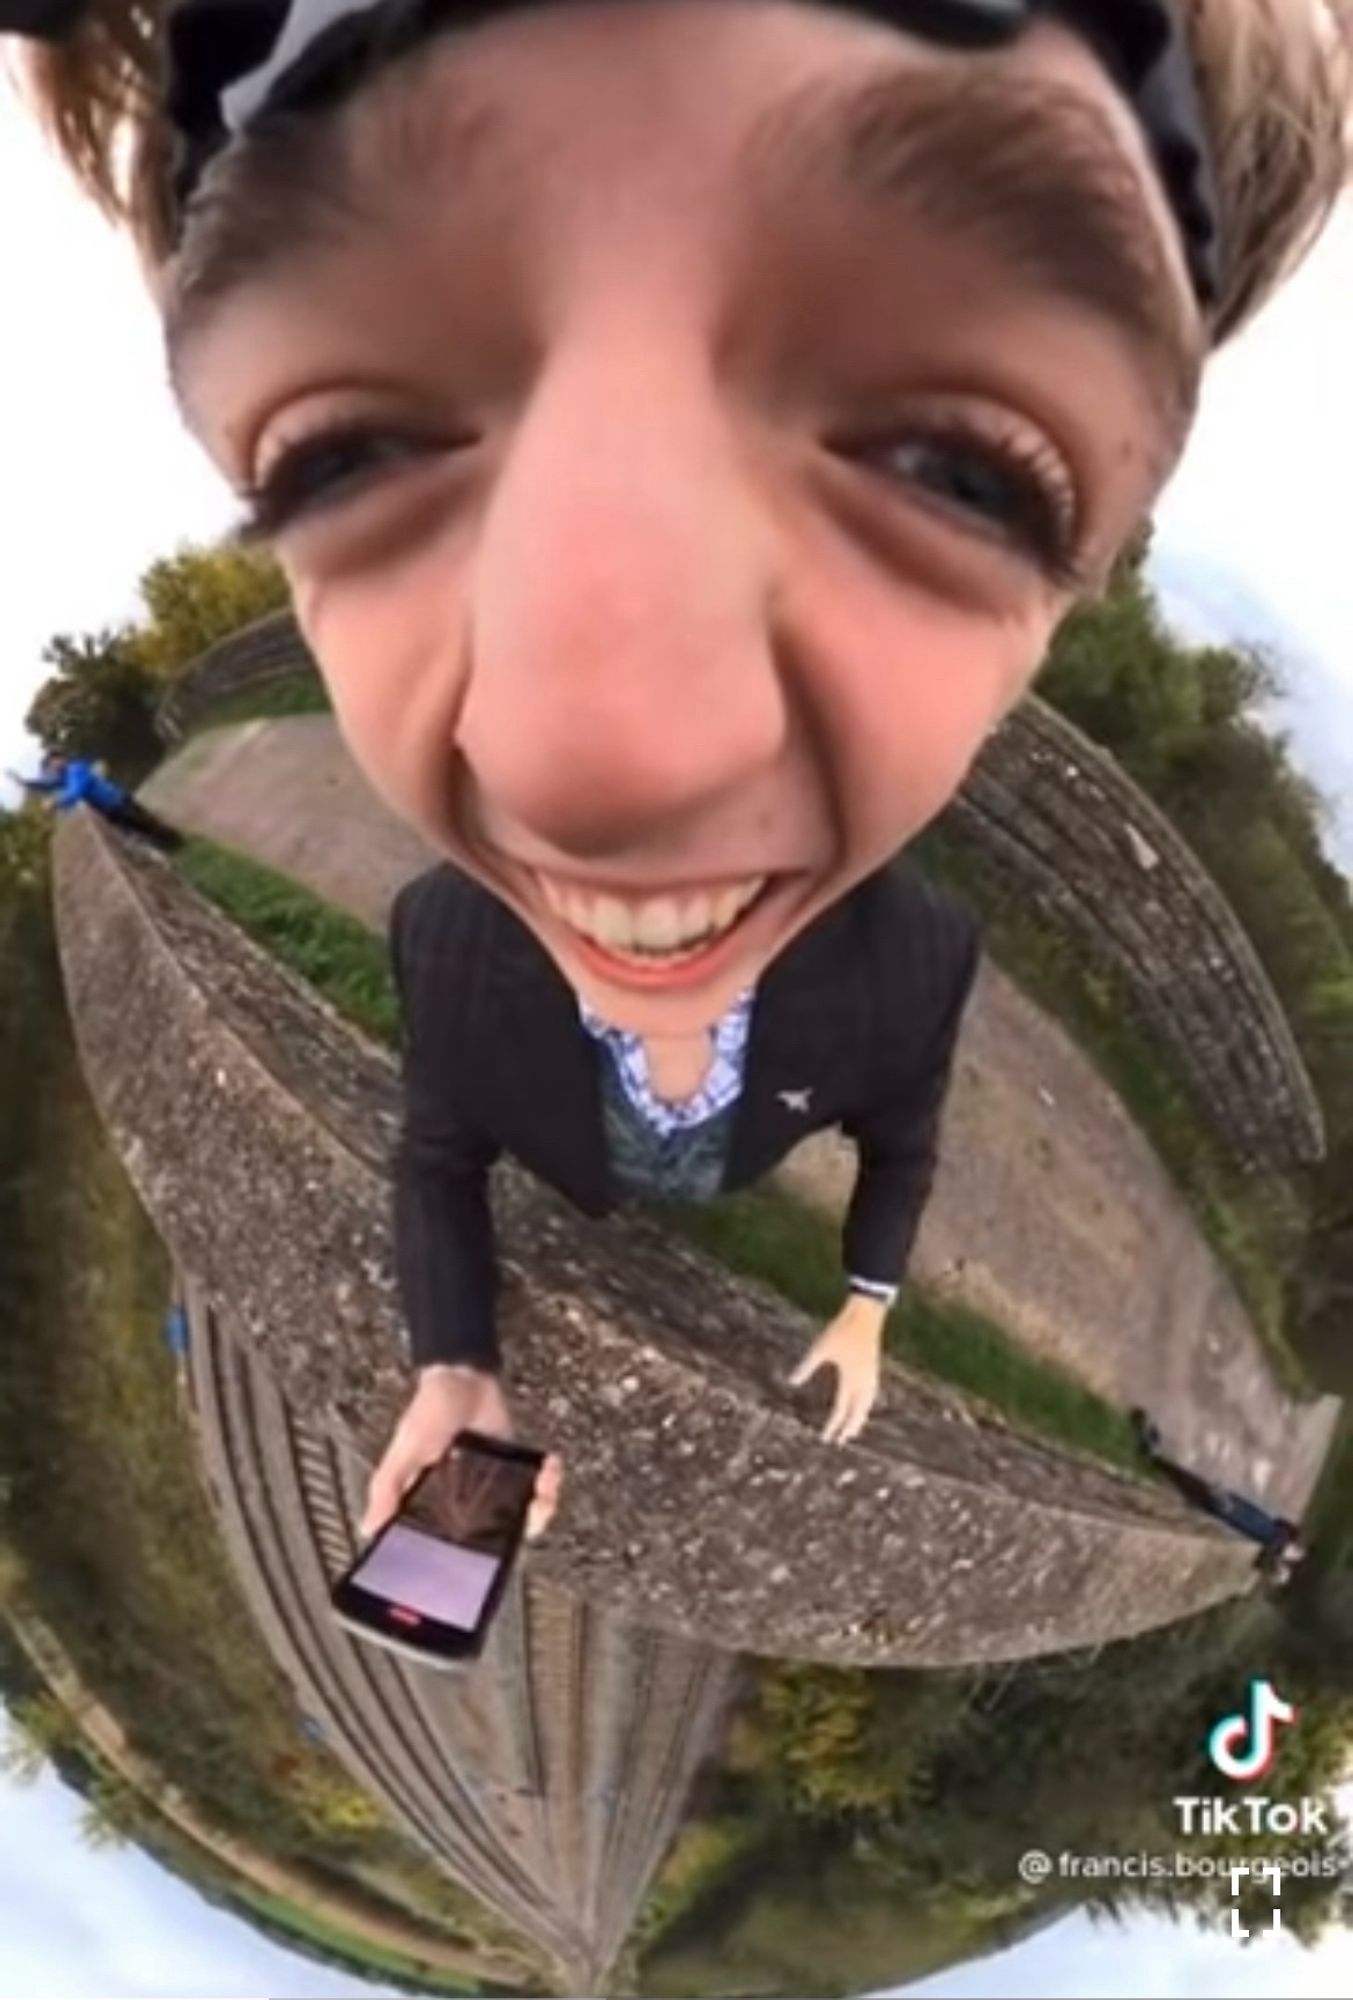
[(549, 1778)]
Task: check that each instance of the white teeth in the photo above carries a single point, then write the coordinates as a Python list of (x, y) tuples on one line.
[(725, 909), (610, 922), (658, 927), (698, 915)]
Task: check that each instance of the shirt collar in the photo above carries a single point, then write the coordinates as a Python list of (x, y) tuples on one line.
[(730, 1031)]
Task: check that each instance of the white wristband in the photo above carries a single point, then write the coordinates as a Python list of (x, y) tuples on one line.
[(874, 1288)]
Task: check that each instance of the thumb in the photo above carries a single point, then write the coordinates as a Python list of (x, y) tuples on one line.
[(389, 1483)]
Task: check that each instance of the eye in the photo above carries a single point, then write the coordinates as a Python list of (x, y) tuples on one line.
[(1007, 489), (326, 470)]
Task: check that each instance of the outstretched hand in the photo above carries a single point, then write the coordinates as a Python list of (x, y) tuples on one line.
[(853, 1346)]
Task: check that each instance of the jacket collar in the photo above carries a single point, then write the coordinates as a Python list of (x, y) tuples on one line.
[(809, 1028)]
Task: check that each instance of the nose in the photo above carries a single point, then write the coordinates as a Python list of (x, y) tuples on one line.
[(622, 673)]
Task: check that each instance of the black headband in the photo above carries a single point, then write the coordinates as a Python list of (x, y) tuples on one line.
[(231, 62)]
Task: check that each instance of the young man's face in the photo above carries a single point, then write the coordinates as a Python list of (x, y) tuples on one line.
[(735, 395)]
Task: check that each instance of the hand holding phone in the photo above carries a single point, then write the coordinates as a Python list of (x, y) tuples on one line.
[(429, 1584), (446, 1401)]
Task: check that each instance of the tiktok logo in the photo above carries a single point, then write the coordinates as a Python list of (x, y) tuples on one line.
[(1243, 1746)]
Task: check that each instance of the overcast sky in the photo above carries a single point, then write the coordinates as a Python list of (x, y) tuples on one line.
[(96, 480), (1149, 1958), (77, 1921)]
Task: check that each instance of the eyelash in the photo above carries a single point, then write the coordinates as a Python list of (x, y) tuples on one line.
[(290, 492), (1047, 527)]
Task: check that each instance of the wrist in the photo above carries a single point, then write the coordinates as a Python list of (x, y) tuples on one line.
[(866, 1312), (451, 1371)]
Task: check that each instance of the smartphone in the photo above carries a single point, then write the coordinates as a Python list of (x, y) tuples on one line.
[(429, 1583)]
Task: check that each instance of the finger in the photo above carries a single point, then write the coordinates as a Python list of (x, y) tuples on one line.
[(856, 1420), (545, 1500), (806, 1369), (383, 1496), (389, 1483), (864, 1404), (545, 1497), (850, 1383), (550, 1476), (846, 1413)]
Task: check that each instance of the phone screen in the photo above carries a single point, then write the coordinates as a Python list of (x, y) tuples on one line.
[(437, 1579), (443, 1554)]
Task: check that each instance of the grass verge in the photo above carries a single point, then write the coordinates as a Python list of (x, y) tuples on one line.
[(770, 1235), (356, 1955), (764, 1233), (340, 957), (305, 695)]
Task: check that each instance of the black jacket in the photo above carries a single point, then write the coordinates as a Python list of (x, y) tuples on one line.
[(861, 1010)]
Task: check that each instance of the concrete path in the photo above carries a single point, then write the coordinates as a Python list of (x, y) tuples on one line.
[(1051, 1212)]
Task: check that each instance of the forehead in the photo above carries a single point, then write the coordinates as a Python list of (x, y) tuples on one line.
[(696, 106)]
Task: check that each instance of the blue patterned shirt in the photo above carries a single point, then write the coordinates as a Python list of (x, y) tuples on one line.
[(720, 1090), (721, 1087)]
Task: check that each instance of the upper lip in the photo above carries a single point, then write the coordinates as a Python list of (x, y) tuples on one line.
[(642, 892), (631, 891)]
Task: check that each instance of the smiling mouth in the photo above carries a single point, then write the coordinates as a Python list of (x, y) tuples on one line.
[(654, 932)]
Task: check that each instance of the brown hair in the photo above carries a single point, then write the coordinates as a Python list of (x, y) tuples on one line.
[(1276, 78)]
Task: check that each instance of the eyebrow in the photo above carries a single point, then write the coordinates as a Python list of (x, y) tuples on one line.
[(1031, 173), (1048, 193), (301, 184)]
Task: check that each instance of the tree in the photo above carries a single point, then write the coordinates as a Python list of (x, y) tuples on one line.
[(112, 1814), (99, 703), (848, 1744), (201, 595), (39, 1727), (101, 700), (1235, 680)]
